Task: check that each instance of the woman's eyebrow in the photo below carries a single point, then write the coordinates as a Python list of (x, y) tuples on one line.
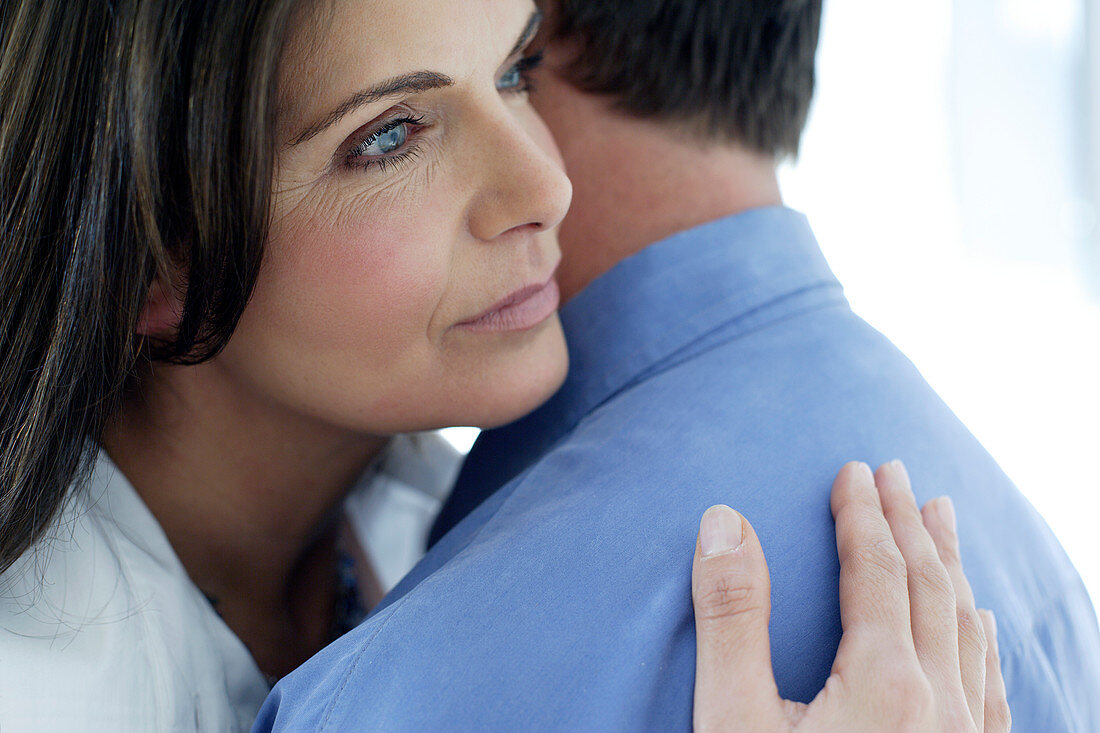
[(419, 81)]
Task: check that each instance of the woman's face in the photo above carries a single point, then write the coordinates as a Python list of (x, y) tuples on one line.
[(408, 275)]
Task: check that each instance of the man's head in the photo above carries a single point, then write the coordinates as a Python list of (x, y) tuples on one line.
[(670, 113), (731, 70)]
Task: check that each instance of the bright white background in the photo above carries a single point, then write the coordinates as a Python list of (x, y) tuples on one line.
[(946, 171)]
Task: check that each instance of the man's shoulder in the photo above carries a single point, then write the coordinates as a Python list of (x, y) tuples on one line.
[(821, 383), (315, 696), (564, 601)]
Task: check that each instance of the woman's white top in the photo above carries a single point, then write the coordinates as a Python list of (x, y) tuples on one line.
[(101, 629)]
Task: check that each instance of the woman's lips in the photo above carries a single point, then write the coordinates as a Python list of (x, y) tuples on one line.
[(523, 309)]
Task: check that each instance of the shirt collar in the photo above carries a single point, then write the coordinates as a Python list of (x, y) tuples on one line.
[(110, 494), (422, 462), (675, 292)]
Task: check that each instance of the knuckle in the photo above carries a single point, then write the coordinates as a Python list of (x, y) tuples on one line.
[(929, 575), (857, 516), (880, 558), (726, 597), (971, 629)]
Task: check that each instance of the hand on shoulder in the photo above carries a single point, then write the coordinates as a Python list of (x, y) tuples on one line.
[(915, 654)]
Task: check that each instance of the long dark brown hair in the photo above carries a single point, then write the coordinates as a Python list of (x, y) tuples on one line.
[(136, 143)]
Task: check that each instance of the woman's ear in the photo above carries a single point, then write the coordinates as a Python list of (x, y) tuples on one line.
[(161, 313)]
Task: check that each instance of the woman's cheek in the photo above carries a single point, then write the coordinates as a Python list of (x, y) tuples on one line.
[(339, 324), (373, 247), (381, 279), (335, 304), (362, 247)]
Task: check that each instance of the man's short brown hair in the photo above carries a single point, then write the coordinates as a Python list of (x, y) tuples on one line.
[(738, 70)]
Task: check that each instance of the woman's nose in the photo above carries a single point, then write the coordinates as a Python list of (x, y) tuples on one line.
[(523, 181)]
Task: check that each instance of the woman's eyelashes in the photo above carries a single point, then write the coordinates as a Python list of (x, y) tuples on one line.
[(518, 78), (387, 145), (394, 142)]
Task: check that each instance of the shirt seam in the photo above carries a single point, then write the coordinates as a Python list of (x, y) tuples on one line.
[(677, 357), (355, 665), (743, 304), (738, 329)]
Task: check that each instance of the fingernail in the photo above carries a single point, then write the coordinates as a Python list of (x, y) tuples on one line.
[(946, 510), (899, 471), (899, 467), (720, 531), (865, 471)]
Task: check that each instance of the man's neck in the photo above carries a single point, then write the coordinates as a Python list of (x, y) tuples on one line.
[(637, 182)]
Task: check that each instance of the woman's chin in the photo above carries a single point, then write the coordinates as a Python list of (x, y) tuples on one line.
[(519, 384), (524, 405)]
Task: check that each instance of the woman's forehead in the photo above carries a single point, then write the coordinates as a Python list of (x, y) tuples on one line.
[(337, 47)]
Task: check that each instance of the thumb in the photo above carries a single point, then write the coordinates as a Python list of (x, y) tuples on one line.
[(734, 685)]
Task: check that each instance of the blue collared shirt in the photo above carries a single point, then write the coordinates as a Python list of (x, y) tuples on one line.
[(721, 365)]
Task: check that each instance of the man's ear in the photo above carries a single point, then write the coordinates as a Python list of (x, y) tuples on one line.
[(162, 311)]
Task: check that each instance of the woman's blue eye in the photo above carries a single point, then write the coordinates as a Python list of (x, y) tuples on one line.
[(512, 79), (387, 141), (518, 78), (392, 143)]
